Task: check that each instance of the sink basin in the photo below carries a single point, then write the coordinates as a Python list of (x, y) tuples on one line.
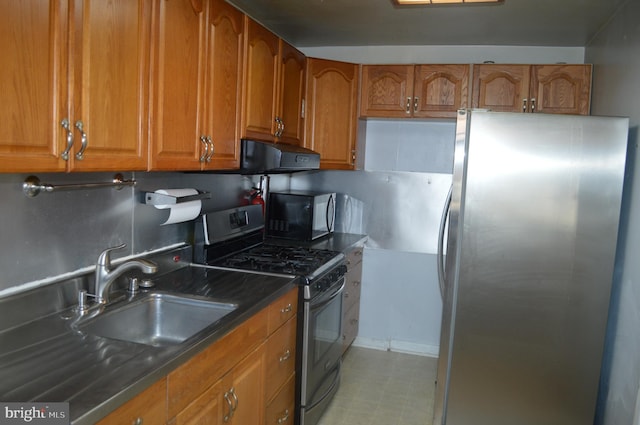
[(158, 319)]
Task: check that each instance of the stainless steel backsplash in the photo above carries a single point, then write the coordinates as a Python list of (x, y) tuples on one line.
[(58, 233)]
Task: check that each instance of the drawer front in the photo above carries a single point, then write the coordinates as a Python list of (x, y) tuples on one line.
[(354, 257), (149, 407), (281, 357), (195, 376), (352, 289), (281, 410), (351, 325), (283, 309)]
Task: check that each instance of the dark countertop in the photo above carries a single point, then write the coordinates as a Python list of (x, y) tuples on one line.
[(97, 375)]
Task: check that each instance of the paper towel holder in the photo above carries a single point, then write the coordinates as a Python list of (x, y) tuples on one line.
[(152, 198)]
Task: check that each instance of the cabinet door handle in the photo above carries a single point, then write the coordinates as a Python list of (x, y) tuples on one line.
[(235, 399), (408, 109), (524, 105), (533, 104), (65, 124), (279, 127), (84, 140), (285, 356), (137, 421), (229, 415), (209, 143), (285, 417), (203, 140), (415, 104)]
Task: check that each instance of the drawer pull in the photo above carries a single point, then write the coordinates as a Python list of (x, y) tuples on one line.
[(137, 421), (285, 356), (287, 309), (284, 418)]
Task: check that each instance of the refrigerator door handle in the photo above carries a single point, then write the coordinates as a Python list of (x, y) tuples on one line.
[(440, 253)]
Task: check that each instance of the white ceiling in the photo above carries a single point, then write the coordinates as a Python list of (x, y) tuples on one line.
[(306, 23)]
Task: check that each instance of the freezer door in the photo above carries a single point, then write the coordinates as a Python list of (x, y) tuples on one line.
[(534, 226)]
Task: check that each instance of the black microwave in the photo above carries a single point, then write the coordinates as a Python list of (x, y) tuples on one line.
[(302, 216)]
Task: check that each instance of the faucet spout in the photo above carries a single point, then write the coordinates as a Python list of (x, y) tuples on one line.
[(105, 275)]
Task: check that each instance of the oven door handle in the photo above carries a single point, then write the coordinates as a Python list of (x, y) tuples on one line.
[(331, 297)]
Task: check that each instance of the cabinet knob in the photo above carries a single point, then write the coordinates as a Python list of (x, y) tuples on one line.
[(137, 421)]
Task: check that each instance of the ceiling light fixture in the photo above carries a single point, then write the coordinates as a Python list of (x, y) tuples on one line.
[(421, 2)]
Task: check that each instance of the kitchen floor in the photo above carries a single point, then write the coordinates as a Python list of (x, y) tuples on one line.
[(383, 388)]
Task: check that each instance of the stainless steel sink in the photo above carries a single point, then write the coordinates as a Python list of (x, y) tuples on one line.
[(158, 319)]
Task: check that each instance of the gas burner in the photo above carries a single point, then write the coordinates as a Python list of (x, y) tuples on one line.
[(279, 259)]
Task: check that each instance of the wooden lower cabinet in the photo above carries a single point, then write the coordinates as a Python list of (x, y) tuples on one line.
[(149, 407), (351, 308), (245, 378)]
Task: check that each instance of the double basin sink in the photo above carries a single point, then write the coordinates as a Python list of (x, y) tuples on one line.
[(157, 319)]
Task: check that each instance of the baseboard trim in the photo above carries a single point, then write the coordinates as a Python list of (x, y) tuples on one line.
[(398, 346)]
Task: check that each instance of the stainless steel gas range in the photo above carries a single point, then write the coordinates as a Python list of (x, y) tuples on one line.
[(234, 239)]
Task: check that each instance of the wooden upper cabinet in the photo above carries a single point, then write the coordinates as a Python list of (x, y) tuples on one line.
[(440, 90), (501, 88), (86, 69), (260, 82), (33, 82), (331, 112), (179, 46), (418, 91), (387, 91), (109, 61), (558, 89), (223, 81), (561, 89), (198, 69), (291, 94)]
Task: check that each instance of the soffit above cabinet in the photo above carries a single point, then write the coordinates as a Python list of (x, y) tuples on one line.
[(307, 23)]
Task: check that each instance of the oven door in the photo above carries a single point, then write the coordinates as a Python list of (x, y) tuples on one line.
[(322, 345)]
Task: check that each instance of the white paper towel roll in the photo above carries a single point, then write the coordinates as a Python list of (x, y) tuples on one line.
[(183, 211)]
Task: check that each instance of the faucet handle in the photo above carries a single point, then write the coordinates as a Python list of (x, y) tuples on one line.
[(105, 256)]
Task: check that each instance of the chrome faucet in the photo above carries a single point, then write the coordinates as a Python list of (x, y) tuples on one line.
[(105, 276)]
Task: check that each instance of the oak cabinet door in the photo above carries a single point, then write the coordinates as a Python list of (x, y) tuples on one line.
[(440, 90), (179, 48), (387, 91), (244, 390), (207, 409), (561, 89), (148, 407), (223, 81), (261, 81), (501, 88), (292, 72), (110, 63), (33, 81), (331, 117)]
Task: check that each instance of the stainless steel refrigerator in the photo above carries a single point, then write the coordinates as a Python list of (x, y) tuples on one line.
[(532, 230)]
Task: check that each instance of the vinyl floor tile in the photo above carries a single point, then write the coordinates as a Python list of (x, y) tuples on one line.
[(383, 388)]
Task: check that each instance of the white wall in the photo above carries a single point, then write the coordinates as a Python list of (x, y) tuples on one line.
[(615, 53), (447, 54)]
